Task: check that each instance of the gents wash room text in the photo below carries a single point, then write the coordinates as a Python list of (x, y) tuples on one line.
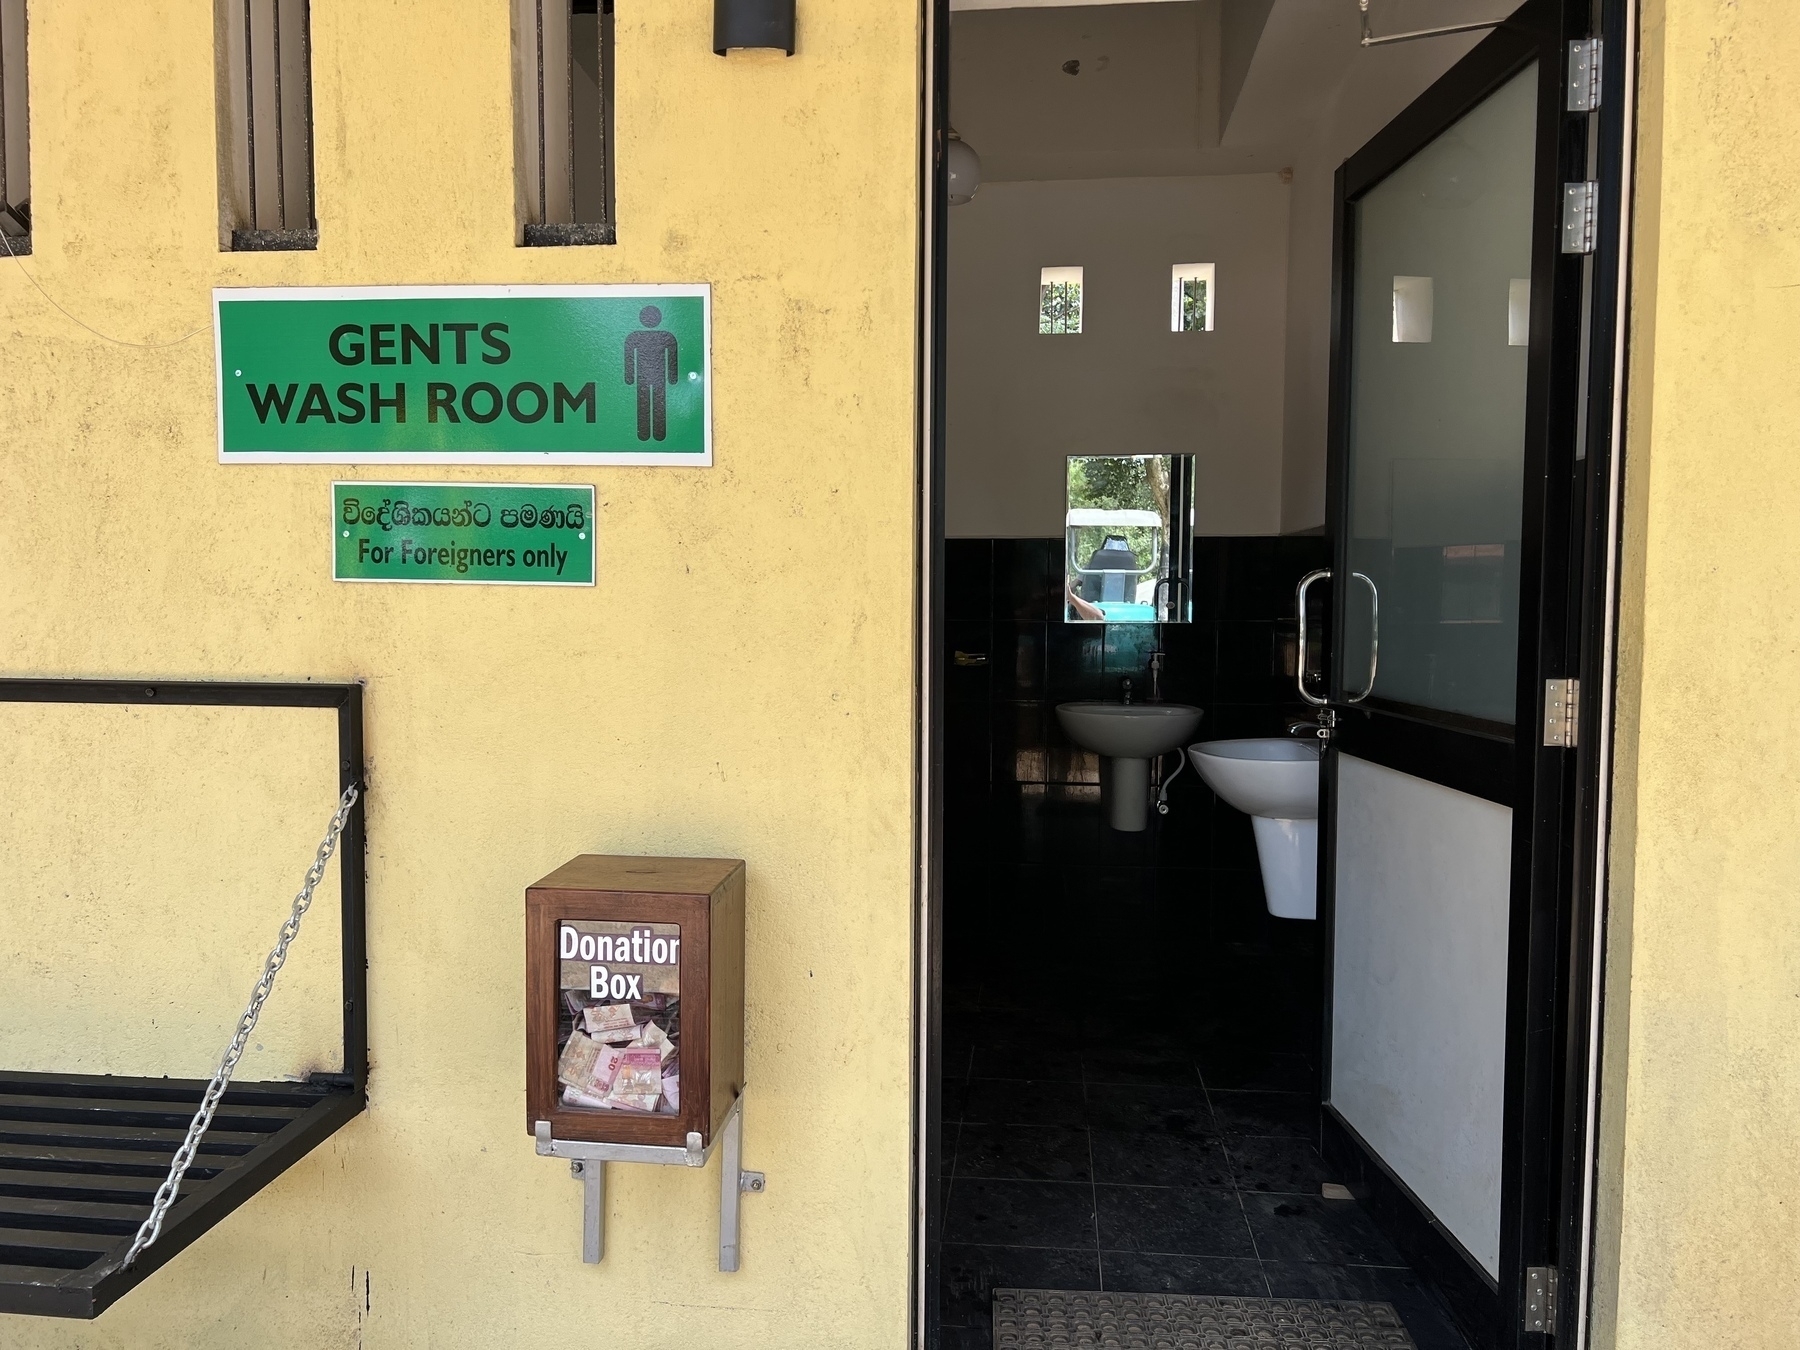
[(387, 344)]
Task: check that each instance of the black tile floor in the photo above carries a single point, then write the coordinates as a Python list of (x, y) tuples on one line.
[(1086, 1149)]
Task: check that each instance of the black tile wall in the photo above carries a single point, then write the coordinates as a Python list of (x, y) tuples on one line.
[(1003, 598), (1020, 794), (968, 580)]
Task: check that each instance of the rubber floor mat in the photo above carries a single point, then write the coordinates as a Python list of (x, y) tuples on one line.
[(1053, 1319)]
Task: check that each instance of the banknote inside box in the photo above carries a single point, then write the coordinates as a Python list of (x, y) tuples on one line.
[(618, 1030)]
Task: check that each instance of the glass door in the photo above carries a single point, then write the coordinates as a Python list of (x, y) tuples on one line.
[(1440, 328), (1457, 346)]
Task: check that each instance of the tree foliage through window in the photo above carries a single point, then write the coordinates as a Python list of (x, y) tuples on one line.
[(1059, 307), (1193, 305)]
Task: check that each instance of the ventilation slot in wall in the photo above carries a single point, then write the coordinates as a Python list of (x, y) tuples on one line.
[(1059, 300), (562, 123), (1518, 312), (265, 132), (15, 139), (1191, 298), (1412, 309)]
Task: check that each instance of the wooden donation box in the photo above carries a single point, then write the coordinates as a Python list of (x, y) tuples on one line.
[(634, 984)]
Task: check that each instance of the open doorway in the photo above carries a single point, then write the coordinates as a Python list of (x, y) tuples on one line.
[(1258, 928)]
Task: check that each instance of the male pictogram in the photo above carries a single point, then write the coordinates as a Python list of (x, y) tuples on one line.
[(652, 363)]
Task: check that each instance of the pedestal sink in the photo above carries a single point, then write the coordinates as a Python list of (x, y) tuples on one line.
[(1130, 735)]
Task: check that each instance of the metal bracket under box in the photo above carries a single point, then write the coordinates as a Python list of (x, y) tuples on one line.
[(587, 1162)]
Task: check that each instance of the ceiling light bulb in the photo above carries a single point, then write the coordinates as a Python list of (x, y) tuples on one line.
[(963, 167)]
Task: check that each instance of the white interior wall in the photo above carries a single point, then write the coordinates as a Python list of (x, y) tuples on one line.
[(1308, 97), (1020, 401), (1418, 1021)]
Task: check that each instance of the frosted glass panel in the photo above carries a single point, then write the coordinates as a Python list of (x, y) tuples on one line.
[(1437, 416)]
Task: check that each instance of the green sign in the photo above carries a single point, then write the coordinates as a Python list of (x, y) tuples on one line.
[(513, 534), (465, 374)]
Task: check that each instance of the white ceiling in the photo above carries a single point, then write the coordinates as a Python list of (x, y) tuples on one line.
[(1083, 92), (1154, 84)]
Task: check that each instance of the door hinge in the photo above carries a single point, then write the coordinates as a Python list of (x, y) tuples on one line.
[(1581, 212), (1562, 713), (1540, 1299), (1585, 66)]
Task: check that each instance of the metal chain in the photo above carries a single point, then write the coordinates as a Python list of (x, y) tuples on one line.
[(215, 1090)]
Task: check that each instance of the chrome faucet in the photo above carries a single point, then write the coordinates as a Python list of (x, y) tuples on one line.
[(1156, 669), (1125, 691), (1324, 728)]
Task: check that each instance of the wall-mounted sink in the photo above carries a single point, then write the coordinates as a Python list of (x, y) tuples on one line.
[(1276, 783), (1130, 735)]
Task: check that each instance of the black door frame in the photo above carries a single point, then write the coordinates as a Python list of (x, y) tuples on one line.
[(1590, 615), (927, 1191), (1551, 1137), (1566, 596)]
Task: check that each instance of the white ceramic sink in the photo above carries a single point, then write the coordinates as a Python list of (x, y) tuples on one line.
[(1276, 782), (1130, 735), (1128, 730), (1262, 777)]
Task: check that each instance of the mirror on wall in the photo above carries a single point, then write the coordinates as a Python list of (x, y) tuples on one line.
[(1128, 539)]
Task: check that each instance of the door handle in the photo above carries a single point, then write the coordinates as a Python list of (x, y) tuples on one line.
[(1300, 656), (1374, 636)]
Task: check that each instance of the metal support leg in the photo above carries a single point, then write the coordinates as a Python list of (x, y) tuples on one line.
[(731, 1158), (591, 1173), (587, 1163)]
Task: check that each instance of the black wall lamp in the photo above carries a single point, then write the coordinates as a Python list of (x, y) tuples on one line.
[(753, 23)]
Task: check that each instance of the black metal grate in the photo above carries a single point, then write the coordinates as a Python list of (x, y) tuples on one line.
[(81, 1155)]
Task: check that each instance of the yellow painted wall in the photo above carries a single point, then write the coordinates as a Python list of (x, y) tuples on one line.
[(738, 684), (1701, 1161), (204, 866)]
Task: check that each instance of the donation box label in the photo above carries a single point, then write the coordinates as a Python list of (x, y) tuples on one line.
[(465, 374), (514, 534), (618, 1016)]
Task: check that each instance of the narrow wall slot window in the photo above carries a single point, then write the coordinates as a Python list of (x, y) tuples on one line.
[(562, 121), (1412, 309), (265, 125), (1059, 300), (1518, 312), (1191, 298), (15, 140)]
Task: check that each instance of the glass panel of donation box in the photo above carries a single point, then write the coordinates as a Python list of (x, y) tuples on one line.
[(618, 1030)]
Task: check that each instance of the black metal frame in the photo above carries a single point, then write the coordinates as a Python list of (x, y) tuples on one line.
[(1592, 599), (933, 358), (81, 1155), (1564, 597)]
